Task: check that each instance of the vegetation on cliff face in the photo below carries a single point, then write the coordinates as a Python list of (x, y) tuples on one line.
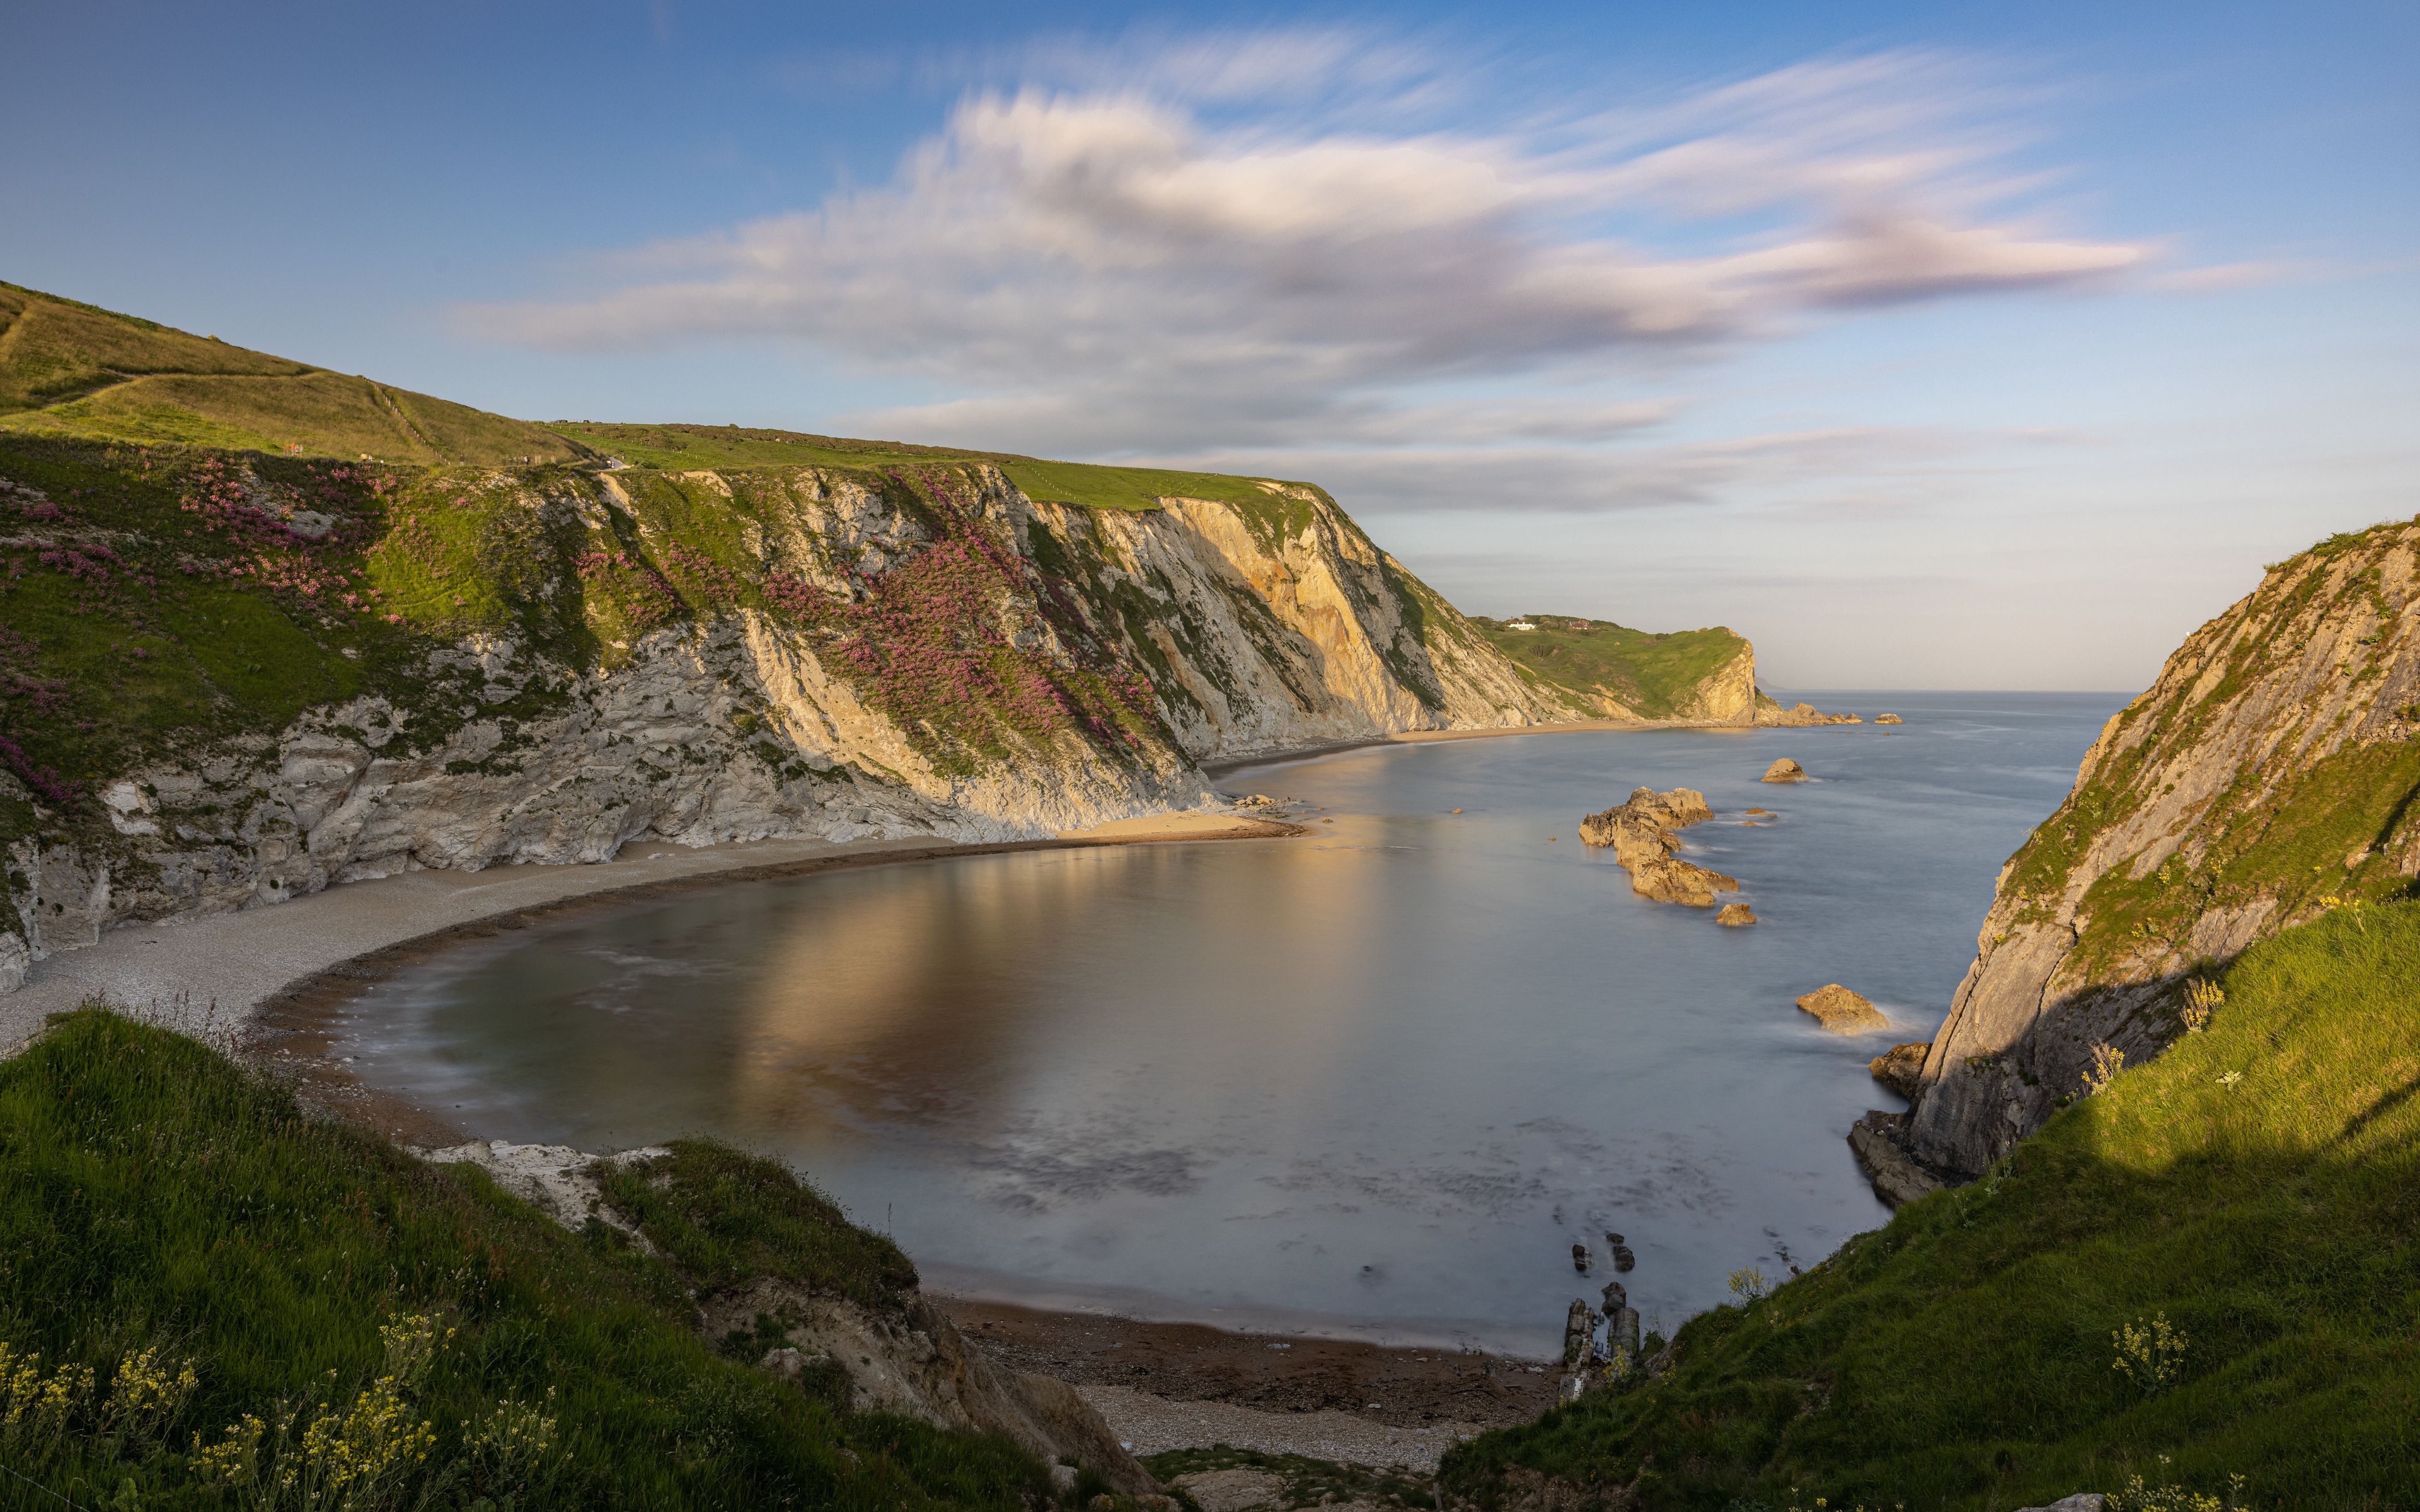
[(2268, 774), (2289, 723), (2257, 1188), (348, 1311), (1646, 675)]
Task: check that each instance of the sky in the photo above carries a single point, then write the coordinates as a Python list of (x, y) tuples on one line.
[(1928, 345)]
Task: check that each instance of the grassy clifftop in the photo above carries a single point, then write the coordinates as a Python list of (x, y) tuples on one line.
[(71, 369), (201, 1289), (2256, 1190), (1655, 676)]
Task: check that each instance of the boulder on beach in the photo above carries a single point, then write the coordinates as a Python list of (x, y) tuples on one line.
[(1785, 770), (1899, 1067), (1735, 916), (1841, 1011), (1888, 719)]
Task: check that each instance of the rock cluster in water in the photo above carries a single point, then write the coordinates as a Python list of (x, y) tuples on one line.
[(1642, 833), (1802, 713)]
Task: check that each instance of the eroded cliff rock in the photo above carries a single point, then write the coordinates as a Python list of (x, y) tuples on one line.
[(708, 658), (2267, 775)]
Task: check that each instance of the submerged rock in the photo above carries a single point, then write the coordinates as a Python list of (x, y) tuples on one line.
[(1842, 1011), (1580, 1260), (1900, 1066), (1735, 916), (1785, 770)]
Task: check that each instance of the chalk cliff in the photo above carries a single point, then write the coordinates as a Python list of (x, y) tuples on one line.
[(2266, 777), (709, 657)]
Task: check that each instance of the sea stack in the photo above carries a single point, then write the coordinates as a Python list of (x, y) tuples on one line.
[(1785, 770)]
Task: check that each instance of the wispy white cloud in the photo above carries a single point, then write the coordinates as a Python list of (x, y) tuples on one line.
[(1121, 267)]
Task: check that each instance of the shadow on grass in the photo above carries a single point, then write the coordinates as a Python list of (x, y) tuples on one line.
[(2259, 1186)]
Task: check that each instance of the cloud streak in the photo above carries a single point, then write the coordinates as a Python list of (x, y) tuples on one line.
[(1101, 269)]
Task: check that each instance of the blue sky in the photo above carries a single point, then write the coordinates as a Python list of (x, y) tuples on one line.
[(1928, 346)]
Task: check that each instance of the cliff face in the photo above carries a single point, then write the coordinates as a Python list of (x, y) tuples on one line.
[(544, 665), (2268, 776)]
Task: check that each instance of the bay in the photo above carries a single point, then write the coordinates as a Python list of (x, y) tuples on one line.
[(1375, 1081)]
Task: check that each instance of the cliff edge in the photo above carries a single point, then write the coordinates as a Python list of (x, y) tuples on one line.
[(2267, 775)]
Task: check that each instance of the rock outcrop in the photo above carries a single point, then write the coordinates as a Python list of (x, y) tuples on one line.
[(1784, 771), (1901, 1067), (903, 1357), (1642, 833), (2268, 775), (1842, 1011), (1888, 719), (1897, 1179), (1735, 916), (1798, 715)]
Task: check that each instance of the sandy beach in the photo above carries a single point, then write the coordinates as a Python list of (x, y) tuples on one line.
[(221, 972)]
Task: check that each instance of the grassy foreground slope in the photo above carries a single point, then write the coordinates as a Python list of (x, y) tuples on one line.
[(1650, 674), (2258, 1187), (155, 1198)]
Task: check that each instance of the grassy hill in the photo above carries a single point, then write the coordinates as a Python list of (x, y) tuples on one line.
[(1652, 675), (188, 1263), (2256, 1189), (71, 369)]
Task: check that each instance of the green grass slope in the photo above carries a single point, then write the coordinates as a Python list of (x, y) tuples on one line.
[(2258, 1187), (1649, 674), (74, 370), (164, 1211)]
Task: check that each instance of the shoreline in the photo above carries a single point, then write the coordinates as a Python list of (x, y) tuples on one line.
[(1216, 770), (1165, 1385), (217, 975)]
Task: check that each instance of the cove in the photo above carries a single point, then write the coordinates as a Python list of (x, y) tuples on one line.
[(1378, 1080)]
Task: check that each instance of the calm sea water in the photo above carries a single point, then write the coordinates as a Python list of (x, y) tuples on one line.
[(1378, 1080)]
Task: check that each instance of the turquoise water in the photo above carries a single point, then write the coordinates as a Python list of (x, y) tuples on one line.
[(1378, 1080)]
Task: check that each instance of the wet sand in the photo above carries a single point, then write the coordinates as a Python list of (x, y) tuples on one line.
[(1266, 1372)]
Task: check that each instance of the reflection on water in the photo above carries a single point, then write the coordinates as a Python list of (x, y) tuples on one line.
[(1380, 1078)]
